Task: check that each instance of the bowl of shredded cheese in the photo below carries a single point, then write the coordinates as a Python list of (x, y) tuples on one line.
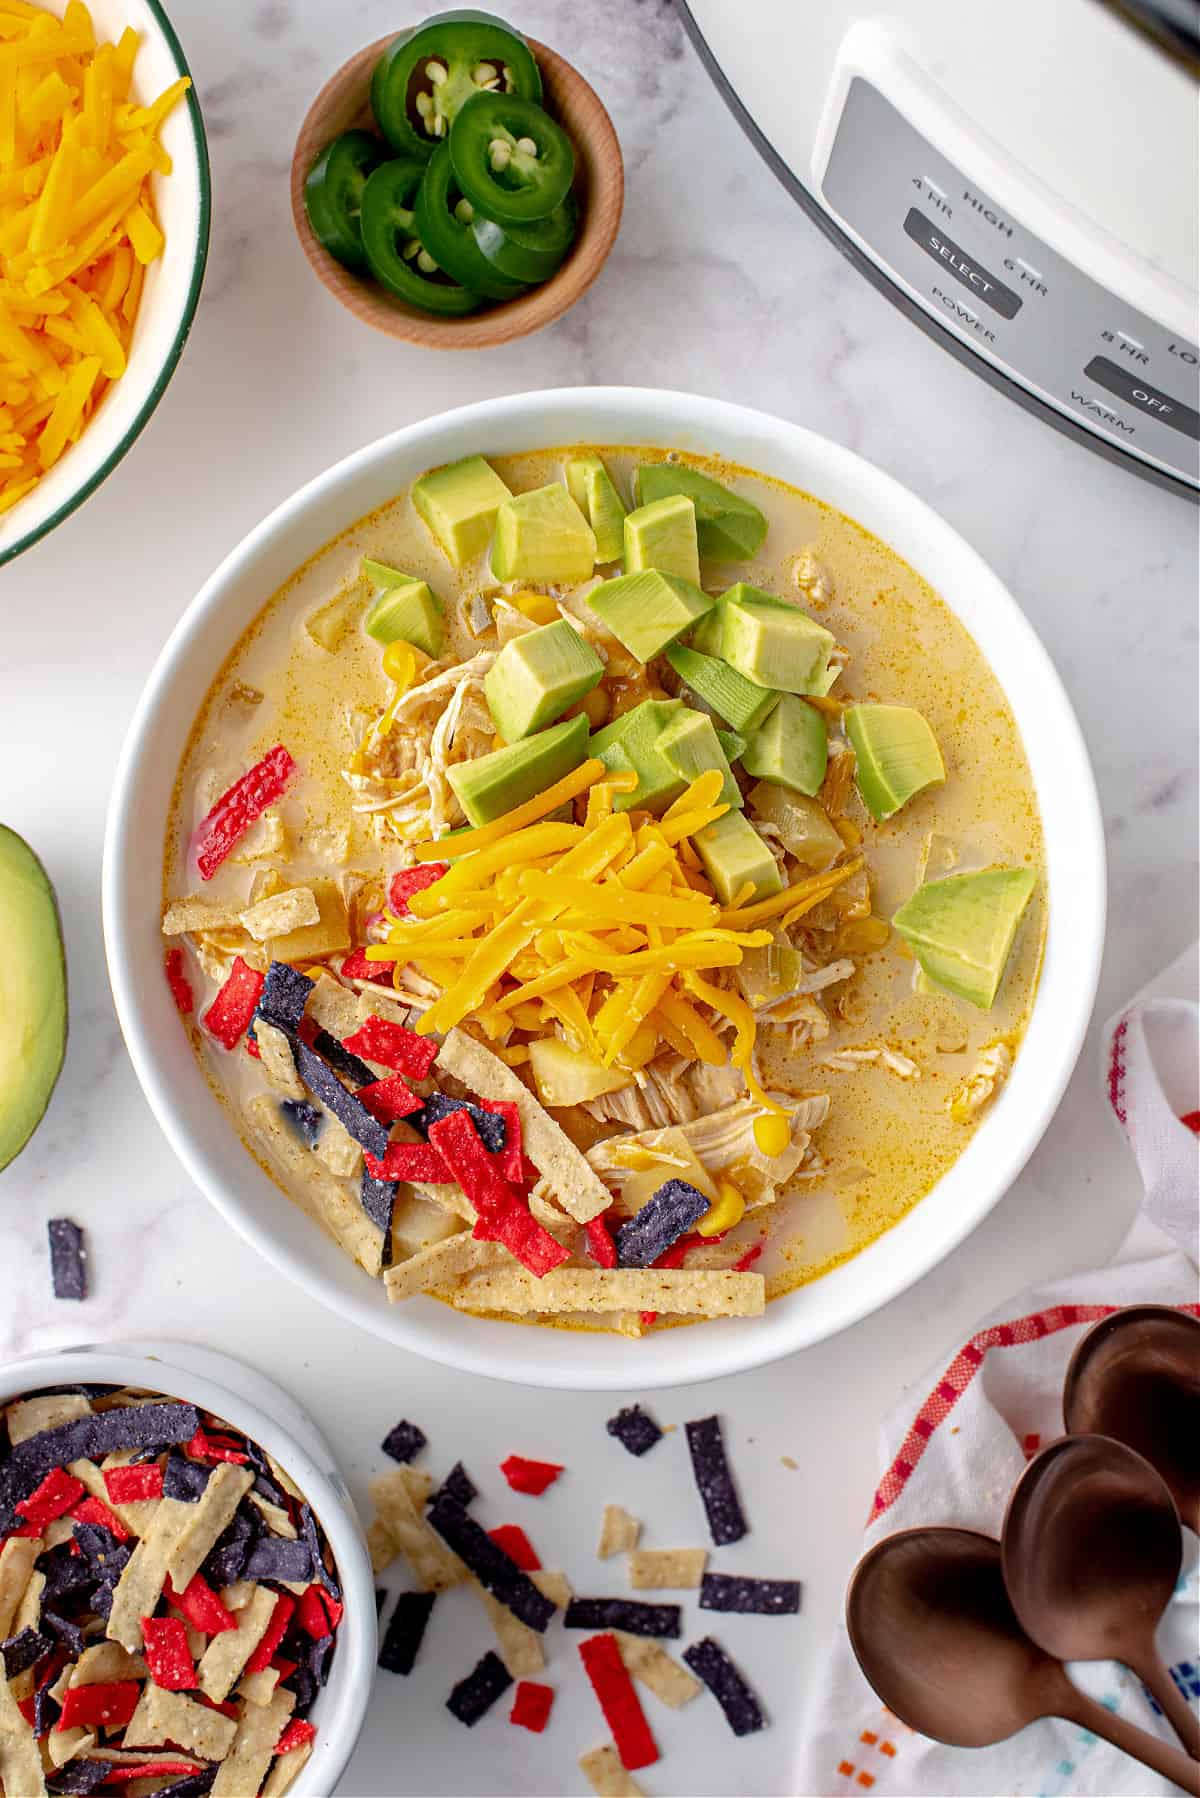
[(104, 219)]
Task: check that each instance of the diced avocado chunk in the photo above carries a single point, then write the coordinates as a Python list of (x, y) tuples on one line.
[(647, 611), (961, 928), (804, 827), (542, 536), (896, 755), (772, 643), (733, 853), (728, 527), (537, 676), (689, 743), (791, 747), (663, 536), (497, 783), (33, 994), (630, 743), (733, 744), (591, 487), (730, 694), (404, 609), (459, 504)]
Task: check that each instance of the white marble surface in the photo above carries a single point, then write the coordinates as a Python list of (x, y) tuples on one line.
[(717, 283)]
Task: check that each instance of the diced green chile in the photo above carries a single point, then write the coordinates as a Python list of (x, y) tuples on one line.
[(333, 192), (448, 237), (392, 245), (502, 179), (529, 252), (463, 44)]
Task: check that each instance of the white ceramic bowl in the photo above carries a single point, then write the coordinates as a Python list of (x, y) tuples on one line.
[(194, 1119), (260, 1410), (170, 294)]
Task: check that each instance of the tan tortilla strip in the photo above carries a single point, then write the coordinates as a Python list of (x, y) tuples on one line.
[(183, 916), (278, 1062), (259, 1688), (137, 1516), (649, 1661), (21, 1773), (382, 1546), (576, 1185), (281, 912), (286, 1770), (237, 1596), (337, 1150), (226, 1655), (432, 1268), (672, 1290), (30, 1416), (64, 1745), (284, 1479), (245, 1767), (333, 1007), (450, 1198), (520, 1647), (416, 1482), (16, 1566), (104, 1662), (173, 1547), (274, 1517), (318, 1195), (607, 1777), (171, 1717), (553, 1585), (226, 1488), (434, 1566), (619, 1532), (667, 1569), (29, 1610)]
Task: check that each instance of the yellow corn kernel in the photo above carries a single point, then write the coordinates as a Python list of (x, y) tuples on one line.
[(772, 1133), (400, 664), (596, 706), (727, 1211), (537, 606)]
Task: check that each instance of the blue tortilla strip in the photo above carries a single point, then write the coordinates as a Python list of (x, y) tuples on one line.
[(317, 1657), (343, 1059), (311, 1534), (79, 1777), (632, 1615), (662, 1220), (378, 1200), (68, 1259), (65, 1574), (475, 1695), (709, 1662), (301, 1682), (488, 1562), (23, 1651), (404, 1441), (227, 1557), (46, 1708), (305, 1119), (277, 1558), (749, 1597), (726, 1520), (284, 996), (264, 1483), (89, 1438), (405, 1632), (380, 1600), (634, 1429), (350, 1111), (184, 1479), (457, 1485), (105, 1556), (490, 1125), (68, 1633), (192, 1785)]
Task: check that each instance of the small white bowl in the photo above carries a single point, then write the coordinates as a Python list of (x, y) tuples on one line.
[(198, 1125), (267, 1415), (168, 302)]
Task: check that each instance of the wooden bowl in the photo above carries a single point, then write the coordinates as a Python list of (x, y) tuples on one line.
[(599, 188)]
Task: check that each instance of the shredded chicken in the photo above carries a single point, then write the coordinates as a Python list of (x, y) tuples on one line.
[(724, 1142), (812, 577), (398, 775), (981, 1084), (847, 1060)]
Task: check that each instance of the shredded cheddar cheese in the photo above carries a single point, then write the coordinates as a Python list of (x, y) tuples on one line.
[(77, 228)]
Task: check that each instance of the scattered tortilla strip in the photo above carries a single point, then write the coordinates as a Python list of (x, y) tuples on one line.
[(416, 1482), (317, 1194), (105, 1662), (246, 1766), (275, 1517), (184, 916), (16, 1565), (338, 1150), (237, 1596), (649, 1661), (520, 1647), (671, 1290), (20, 1761), (65, 1745), (450, 1198), (553, 1585), (30, 1608), (432, 1268), (278, 1062), (619, 1532), (136, 1517), (259, 1688), (381, 1545), (30, 1416), (574, 1183), (607, 1777), (171, 1717), (667, 1569), (142, 1579), (226, 1655), (434, 1566), (333, 1007), (287, 1770), (281, 912)]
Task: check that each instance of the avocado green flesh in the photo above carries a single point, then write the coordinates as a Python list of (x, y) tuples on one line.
[(406, 611), (961, 929), (648, 610), (663, 536), (691, 746), (728, 527), (591, 487), (733, 744), (772, 643), (896, 755), (33, 994), (538, 676), (733, 853), (497, 783), (630, 744), (459, 504), (542, 536), (742, 704), (791, 748)]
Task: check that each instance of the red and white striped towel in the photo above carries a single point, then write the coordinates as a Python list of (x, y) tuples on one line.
[(954, 1455)]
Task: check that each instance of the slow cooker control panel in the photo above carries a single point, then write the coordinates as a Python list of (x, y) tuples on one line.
[(1014, 299)]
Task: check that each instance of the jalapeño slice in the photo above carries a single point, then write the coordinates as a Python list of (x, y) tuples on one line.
[(333, 194), (443, 221), (424, 76), (396, 256), (510, 159), (529, 252)]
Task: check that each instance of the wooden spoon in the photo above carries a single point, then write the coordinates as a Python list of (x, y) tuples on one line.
[(938, 1640), (1091, 1552), (1136, 1376)]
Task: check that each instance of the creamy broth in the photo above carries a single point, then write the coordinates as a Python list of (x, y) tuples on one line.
[(890, 1134)]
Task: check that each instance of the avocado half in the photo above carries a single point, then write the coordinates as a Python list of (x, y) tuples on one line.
[(33, 994)]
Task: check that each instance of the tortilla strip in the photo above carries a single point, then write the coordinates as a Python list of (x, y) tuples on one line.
[(29, 1610), (227, 1486), (520, 1647), (441, 1262), (279, 913), (318, 1195), (16, 1566), (278, 1062), (246, 1765), (276, 1519), (450, 1198), (337, 1150), (183, 916), (286, 1770), (175, 1544), (30, 1416), (607, 1777), (575, 1184), (673, 1290), (381, 1545), (21, 1772), (226, 1655), (137, 1516), (104, 1662), (553, 1585), (666, 1569), (648, 1660), (171, 1717), (259, 1688), (64, 1745), (333, 1007), (435, 1567), (619, 1532)]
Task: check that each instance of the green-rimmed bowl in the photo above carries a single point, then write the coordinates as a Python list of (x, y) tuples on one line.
[(168, 303)]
